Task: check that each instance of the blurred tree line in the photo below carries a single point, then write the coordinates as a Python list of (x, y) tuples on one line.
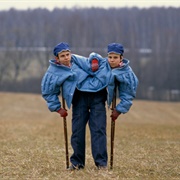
[(150, 37)]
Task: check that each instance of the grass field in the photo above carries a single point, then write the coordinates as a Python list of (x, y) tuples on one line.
[(147, 142)]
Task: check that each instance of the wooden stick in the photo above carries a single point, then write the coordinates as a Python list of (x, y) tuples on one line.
[(112, 129), (65, 135)]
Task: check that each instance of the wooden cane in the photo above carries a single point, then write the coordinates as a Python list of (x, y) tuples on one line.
[(65, 135), (112, 129)]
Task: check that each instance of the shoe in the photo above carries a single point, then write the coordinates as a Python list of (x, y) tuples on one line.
[(73, 167), (102, 167)]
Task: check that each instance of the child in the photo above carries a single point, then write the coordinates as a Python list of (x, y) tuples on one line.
[(124, 77), (85, 88), (68, 71), (59, 74)]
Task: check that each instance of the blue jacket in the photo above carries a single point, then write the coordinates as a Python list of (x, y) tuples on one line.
[(126, 80), (55, 78), (79, 76), (127, 83), (88, 80)]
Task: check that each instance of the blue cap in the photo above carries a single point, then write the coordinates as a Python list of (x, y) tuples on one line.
[(61, 47), (115, 48)]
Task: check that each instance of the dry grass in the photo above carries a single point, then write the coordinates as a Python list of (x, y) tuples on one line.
[(147, 142)]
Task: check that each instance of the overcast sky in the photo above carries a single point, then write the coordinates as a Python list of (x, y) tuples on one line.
[(51, 4)]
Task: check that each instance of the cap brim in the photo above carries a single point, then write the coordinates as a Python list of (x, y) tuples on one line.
[(114, 52), (63, 50)]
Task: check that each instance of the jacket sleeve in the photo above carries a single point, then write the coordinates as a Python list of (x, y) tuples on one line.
[(85, 63), (82, 62), (127, 86), (50, 89)]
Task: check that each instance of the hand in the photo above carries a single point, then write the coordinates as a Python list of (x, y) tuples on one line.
[(94, 65), (115, 114), (62, 112)]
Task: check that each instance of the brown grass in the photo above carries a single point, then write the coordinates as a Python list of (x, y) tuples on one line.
[(147, 142)]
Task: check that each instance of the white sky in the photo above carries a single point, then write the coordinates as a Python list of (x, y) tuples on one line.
[(51, 4)]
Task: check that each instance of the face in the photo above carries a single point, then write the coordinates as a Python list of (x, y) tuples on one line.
[(114, 59), (64, 58)]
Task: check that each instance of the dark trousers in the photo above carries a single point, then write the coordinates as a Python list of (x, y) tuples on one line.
[(89, 107)]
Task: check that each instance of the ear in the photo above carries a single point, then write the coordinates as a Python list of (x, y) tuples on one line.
[(121, 57), (56, 58)]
